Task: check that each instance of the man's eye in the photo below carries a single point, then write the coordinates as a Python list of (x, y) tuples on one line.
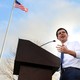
[(59, 33)]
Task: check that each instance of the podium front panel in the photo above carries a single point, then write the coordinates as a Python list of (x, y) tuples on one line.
[(32, 73)]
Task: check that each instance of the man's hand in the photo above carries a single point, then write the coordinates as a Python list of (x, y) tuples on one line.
[(65, 50), (62, 48)]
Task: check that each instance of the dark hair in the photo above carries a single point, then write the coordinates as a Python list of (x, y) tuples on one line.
[(59, 30)]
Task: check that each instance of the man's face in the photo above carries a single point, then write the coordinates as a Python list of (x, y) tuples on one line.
[(62, 36)]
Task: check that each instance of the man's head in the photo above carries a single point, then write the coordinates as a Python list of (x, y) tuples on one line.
[(62, 34)]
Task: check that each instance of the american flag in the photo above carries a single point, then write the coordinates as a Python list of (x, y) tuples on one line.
[(20, 6)]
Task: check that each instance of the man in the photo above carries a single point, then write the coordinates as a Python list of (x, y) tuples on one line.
[(71, 52)]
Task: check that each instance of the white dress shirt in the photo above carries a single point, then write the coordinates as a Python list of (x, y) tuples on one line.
[(69, 60)]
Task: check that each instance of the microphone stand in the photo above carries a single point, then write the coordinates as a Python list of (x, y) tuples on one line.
[(48, 42)]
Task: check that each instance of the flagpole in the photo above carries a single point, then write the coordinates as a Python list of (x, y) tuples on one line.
[(5, 36)]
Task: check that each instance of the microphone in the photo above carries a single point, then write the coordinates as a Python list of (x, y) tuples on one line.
[(48, 42)]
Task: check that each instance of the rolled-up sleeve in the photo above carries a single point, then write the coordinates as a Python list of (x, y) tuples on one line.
[(77, 49)]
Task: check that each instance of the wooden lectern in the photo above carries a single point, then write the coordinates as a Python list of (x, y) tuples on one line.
[(33, 62)]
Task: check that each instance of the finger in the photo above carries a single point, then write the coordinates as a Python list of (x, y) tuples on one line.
[(59, 45), (59, 49)]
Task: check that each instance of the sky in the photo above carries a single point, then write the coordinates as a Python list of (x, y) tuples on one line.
[(39, 24)]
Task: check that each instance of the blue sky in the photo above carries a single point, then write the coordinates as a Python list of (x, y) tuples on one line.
[(39, 23)]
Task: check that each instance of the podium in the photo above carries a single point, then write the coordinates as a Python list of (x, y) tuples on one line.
[(33, 62)]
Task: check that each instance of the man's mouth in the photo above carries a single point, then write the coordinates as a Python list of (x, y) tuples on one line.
[(62, 36)]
